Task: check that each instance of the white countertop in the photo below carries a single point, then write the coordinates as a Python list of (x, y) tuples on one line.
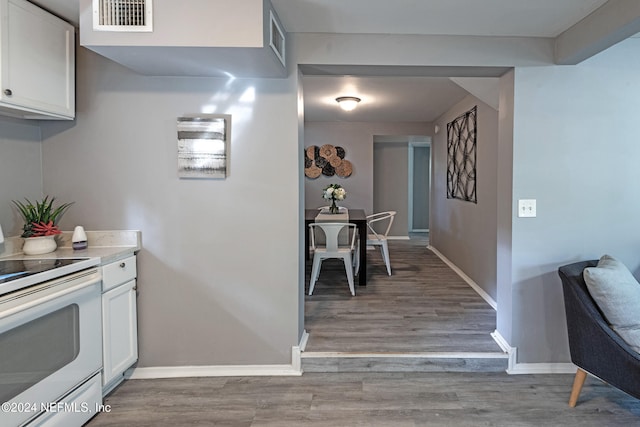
[(103, 247), (109, 246), (106, 245)]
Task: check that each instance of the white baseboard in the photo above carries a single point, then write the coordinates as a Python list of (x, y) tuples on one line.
[(398, 238), (407, 355), (294, 369), (504, 345), (304, 339), (296, 360), (512, 352), (542, 368), (515, 368), (212, 371), (485, 296)]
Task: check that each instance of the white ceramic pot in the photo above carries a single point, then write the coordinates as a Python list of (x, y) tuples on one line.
[(39, 245)]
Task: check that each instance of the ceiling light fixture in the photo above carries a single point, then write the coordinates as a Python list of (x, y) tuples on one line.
[(347, 103)]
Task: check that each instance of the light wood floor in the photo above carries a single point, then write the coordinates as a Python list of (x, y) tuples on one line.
[(423, 307)]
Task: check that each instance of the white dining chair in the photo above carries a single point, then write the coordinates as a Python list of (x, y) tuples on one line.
[(375, 238), (325, 216), (332, 249)]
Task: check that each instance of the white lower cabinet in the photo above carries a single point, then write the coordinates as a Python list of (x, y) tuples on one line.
[(119, 321)]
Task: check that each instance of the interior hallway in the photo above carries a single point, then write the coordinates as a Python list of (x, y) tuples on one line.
[(423, 307)]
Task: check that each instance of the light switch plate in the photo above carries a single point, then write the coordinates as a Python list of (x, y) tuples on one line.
[(527, 208)]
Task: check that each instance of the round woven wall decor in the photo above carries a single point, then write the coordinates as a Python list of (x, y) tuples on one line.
[(311, 152), (326, 160), (312, 172), (335, 161), (345, 169), (327, 151)]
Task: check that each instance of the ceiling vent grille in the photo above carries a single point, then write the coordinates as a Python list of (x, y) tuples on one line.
[(122, 15)]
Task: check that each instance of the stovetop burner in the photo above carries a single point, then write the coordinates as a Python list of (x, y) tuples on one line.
[(18, 268)]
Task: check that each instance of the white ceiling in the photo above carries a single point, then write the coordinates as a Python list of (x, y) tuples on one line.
[(527, 18), (391, 94), (393, 98), (384, 99)]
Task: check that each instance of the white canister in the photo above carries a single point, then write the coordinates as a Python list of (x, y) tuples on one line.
[(79, 238)]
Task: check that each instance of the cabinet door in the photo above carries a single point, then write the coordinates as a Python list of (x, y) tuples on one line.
[(120, 330), (37, 60)]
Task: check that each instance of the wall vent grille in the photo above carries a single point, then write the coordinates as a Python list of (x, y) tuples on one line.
[(122, 15), (276, 38)]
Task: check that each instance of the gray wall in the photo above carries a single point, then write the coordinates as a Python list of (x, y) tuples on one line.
[(357, 140), (219, 270), (301, 226), (575, 150), (572, 146), (504, 199), (465, 232), (20, 169)]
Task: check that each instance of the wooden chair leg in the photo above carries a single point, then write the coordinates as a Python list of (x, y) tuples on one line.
[(578, 382)]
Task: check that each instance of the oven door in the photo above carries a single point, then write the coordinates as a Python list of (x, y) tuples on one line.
[(50, 342)]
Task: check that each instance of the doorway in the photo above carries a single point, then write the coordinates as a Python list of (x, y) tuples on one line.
[(419, 176), (402, 180)]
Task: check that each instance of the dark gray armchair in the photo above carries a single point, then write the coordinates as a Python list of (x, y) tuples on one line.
[(595, 347)]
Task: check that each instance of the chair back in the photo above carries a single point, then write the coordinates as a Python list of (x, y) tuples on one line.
[(379, 219), (580, 309), (594, 346), (331, 232)]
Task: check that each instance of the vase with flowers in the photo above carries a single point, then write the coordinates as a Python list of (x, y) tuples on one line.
[(40, 224), (334, 192)]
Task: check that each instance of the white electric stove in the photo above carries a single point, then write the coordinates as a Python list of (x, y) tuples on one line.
[(19, 273)]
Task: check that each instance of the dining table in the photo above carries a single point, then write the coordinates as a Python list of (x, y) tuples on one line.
[(357, 217)]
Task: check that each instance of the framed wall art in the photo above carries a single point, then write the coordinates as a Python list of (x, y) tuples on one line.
[(461, 157), (203, 146)]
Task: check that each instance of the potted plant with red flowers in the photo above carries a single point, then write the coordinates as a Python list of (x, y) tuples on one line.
[(40, 224)]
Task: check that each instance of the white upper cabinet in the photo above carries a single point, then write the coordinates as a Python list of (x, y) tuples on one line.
[(37, 61)]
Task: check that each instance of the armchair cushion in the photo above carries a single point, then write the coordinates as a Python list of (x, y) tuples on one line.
[(617, 294)]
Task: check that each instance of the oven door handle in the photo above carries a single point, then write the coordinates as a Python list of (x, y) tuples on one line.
[(51, 290)]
